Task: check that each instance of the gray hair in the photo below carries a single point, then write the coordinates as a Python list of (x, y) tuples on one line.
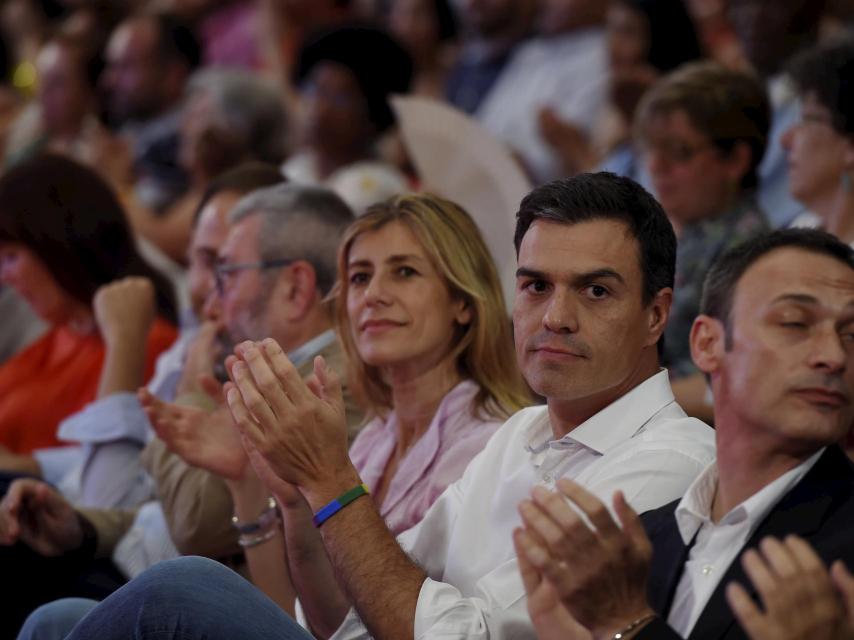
[(249, 107), (300, 222)]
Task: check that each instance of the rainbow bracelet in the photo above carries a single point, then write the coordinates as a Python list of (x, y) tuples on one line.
[(339, 503)]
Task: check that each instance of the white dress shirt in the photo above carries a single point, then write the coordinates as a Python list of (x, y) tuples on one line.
[(718, 544), (643, 444)]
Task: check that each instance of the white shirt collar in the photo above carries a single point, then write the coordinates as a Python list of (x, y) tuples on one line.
[(614, 424), (311, 348), (695, 508)]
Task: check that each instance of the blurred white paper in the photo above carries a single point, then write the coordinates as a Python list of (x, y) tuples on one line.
[(458, 159)]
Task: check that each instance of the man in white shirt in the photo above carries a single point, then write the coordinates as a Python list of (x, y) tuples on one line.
[(776, 338), (596, 263)]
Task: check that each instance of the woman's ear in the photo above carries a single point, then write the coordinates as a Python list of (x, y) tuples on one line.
[(463, 315)]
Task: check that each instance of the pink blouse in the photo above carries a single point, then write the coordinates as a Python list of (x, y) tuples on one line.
[(436, 460)]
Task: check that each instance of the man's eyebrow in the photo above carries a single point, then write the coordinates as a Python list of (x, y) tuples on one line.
[(797, 298), (578, 278)]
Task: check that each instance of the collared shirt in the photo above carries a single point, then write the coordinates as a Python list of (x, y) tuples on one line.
[(717, 544), (642, 444), (700, 244), (567, 73), (437, 459)]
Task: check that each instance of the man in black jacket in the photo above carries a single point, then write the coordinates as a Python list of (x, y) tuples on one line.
[(776, 339)]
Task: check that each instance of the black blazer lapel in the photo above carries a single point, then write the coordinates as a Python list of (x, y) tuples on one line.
[(801, 511), (669, 554)]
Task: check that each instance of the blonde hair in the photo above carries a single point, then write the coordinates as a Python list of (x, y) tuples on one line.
[(484, 347)]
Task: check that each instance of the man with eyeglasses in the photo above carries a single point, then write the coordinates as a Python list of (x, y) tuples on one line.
[(702, 130)]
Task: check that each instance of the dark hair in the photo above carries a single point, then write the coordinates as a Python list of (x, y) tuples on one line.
[(603, 195), (673, 37), (176, 41), (446, 20), (828, 72), (242, 179), (379, 63), (725, 273), (68, 216)]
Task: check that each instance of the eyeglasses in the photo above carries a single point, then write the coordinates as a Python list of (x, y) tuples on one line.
[(674, 151), (223, 270), (815, 118)]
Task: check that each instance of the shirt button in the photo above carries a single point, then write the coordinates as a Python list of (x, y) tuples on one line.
[(707, 569)]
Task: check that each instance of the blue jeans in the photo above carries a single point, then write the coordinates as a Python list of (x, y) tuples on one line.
[(55, 620), (188, 598)]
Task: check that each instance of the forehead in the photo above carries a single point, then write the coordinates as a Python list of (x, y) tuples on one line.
[(242, 240), (567, 249), (137, 37), (213, 223), (670, 122), (794, 271), (394, 238)]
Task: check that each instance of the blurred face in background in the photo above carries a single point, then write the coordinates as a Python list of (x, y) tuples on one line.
[(26, 273), (628, 36), (133, 78), (64, 94), (692, 178), (817, 155), (333, 111), (559, 16), (208, 236), (415, 24)]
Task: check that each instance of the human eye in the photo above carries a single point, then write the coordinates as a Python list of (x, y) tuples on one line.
[(406, 271), (359, 278), (596, 291), (535, 286)]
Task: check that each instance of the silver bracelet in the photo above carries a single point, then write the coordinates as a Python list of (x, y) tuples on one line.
[(632, 626), (268, 516), (249, 541)]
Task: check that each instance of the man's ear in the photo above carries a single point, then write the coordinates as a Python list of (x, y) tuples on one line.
[(659, 311), (296, 289), (708, 343)]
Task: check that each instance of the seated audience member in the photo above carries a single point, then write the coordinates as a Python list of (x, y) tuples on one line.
[(64, 117), (645, 38), (596, 263), (820, 147), (428, 30), (342, 111), (492, 31), (431, 359), (115, 427), (149, 58), (769, 34), (774, 336), (702, 130), (227, 117), (276, 265), (20, 325), (67, 249), (564, 69)]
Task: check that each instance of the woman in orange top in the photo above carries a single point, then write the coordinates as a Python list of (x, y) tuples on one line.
[(67, 249)]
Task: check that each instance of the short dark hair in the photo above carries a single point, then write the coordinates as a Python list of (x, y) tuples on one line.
[(603, 195), (725, 273), (827, 71), (242, 179), (176, 41), (72, 220)]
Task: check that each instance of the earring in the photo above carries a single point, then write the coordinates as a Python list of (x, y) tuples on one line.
[(847, 183)]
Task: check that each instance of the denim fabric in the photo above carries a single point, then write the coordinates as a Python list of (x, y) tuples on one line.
[(55, 620), (188, 598)]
